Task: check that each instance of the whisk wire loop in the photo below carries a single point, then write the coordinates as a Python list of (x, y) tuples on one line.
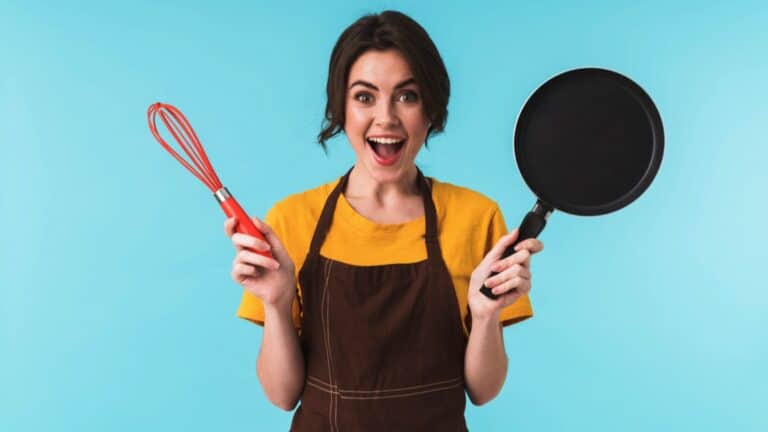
[(185, 136), (178, 126)]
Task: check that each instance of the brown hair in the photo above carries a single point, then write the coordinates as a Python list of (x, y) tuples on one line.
[(387, 30)]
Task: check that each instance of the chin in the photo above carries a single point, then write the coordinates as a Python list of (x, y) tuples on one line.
[(387, 174)]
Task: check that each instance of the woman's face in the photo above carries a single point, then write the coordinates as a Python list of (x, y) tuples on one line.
[(385, 120)]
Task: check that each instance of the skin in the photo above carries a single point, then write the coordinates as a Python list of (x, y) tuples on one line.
[(382, 100)]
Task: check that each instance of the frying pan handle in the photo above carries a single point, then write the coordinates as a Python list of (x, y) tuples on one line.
[(532, 225), (244, 224)]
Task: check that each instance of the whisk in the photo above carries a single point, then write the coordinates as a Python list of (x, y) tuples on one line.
[(201, 167)]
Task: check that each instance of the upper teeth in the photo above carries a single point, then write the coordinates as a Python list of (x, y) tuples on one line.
[(385, 140)]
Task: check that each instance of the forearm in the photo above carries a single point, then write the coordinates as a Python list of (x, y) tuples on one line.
[(485, 361), (280, 365)]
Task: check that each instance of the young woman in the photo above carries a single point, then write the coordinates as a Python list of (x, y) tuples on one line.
[(371, 307)]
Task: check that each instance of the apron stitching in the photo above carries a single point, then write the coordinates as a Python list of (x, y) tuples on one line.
[(394, 389), (323, 317), (315, 385), (330, 353), (332, 414), (434, 255), (404, 394), (341, 393)]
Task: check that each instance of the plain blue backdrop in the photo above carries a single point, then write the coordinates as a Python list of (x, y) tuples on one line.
[(117, 312)]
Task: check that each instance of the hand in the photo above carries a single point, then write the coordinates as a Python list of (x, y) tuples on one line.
[(273, 281), (512, 282)]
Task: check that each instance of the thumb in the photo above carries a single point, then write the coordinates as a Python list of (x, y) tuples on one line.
[(498, 249), (270, 236)]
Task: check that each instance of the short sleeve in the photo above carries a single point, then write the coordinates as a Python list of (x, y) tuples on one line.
[(521, 309), (251, 307)]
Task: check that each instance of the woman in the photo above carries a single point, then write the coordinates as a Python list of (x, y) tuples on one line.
[(371, 307)]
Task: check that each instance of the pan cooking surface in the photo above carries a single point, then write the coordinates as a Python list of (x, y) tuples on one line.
[(588, 141)]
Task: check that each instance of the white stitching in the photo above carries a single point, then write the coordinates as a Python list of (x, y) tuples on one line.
[(325, 315), (393, 389), (405, 394), (341, 393)]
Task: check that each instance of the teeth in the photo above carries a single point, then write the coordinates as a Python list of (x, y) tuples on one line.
[(385, 140)]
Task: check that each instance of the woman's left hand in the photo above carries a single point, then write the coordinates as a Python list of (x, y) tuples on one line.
[(512, 281)]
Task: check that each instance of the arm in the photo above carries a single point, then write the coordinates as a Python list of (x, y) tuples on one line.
[(485, 361), (280, 366)]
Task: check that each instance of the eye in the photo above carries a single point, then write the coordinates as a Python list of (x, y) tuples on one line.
[(364, 97), (408, 96)]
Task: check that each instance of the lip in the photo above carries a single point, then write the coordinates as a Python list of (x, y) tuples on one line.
[(397, 137), (385, 161)]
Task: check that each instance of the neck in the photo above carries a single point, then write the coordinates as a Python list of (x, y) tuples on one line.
[(361, 185)]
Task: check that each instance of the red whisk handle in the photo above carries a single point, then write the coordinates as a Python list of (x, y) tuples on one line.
[(244, 223)]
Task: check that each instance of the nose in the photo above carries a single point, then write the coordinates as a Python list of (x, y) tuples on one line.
[(386, 114)]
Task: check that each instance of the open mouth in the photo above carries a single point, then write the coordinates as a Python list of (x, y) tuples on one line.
[(386, 150)]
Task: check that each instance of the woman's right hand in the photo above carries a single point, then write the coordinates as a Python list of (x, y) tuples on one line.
[(273, 281)]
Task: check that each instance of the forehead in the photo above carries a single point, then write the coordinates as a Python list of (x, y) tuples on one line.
[(381, 68)]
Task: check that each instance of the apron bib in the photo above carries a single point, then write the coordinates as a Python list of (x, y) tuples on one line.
[(384, 345)]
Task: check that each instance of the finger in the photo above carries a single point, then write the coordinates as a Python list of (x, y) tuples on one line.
[(514, 290), (525, 273), (507, 286), (242, 271), (247, 241), (229, 226), (262, 226), (507, 274), (500, 246), (248, 257), (269, 234), (516, 258), (533, 245), (514, 295)]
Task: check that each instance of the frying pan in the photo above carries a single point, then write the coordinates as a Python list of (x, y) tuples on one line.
[(587, 142)]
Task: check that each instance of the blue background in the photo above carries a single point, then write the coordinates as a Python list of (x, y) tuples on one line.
[(116, 307)]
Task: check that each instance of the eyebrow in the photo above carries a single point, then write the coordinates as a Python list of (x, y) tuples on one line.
[(399, 85)]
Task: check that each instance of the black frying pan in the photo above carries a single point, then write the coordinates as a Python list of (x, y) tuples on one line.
[(587, 142)]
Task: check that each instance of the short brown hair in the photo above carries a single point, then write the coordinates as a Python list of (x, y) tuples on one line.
[(387, 30)]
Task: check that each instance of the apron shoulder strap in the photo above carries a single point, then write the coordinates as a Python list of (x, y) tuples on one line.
[(326, 217), (430, 213)]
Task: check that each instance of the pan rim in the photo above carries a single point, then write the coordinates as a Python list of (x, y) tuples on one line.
[(654, 118)]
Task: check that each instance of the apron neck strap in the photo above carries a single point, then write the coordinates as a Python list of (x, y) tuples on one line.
[(430, 213)]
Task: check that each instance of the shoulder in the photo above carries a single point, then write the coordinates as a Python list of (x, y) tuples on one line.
[(294, 218), (469, 223), (450, 198)]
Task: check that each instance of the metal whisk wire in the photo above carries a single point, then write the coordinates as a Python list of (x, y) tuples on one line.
[(182, 132), (179, 127)]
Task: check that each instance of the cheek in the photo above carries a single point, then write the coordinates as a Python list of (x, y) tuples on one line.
[(356, 115), (355, 123), (355, 126), (416, 123)]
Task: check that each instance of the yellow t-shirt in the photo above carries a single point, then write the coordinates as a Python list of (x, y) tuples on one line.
[(469, 224)]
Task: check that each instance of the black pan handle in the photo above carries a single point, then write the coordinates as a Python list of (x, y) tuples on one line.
[(532, 225)]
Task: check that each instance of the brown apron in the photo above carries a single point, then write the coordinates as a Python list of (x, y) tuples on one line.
[(384, 345)]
